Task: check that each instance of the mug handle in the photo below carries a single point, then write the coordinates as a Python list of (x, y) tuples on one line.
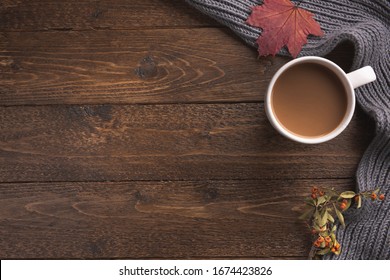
[(361, 76)]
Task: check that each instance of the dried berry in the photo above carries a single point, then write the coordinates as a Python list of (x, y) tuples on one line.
[(323, 208), (320, 239)]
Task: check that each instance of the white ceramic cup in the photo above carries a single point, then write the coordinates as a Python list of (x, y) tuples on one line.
[(350, 81)]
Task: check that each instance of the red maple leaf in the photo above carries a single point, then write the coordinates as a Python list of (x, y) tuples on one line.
[(283, 24)]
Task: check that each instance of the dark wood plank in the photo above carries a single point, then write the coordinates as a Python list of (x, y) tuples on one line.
[(165, 142), (149, 66), (33, 15), (202, 219)]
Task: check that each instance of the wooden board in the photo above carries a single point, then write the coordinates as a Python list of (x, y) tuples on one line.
[(140, 66), (135, 129), (165, 142), (202, 219), (33, 15)]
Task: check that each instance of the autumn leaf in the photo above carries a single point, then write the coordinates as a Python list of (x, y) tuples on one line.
[(283, 24)]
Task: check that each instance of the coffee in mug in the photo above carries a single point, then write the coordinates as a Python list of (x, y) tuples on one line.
[(312, 100), (309, 100)]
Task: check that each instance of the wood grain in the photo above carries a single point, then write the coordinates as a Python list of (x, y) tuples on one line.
[(165, 142), (34, 15), (141, 66), (135, 129), (202, 219)]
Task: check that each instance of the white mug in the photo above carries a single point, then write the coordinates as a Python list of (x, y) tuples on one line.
[(350, 81)]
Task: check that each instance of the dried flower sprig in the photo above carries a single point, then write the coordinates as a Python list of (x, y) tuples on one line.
[(323, 207)]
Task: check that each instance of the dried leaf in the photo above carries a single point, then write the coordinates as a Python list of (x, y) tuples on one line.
[(347, 194), (321, 200), (307, 214), (330, 218), (283, 24), (324, 233), (317, 217), (323, 251), (333, 237), (359, 202), (324, 218), (339, 216), (310, 201), (366, 194)]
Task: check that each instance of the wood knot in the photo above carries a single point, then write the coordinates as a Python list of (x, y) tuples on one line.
[(104, 112), (139, 197), (97, 13), (210, 194), (8, 62), (147, 68)]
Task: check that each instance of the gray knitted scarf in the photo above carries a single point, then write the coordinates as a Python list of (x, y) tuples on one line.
[(365, 23)]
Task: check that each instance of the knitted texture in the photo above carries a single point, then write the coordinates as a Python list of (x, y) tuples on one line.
[(365, 23)]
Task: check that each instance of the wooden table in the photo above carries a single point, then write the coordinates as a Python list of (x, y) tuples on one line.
[(136, 129)]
